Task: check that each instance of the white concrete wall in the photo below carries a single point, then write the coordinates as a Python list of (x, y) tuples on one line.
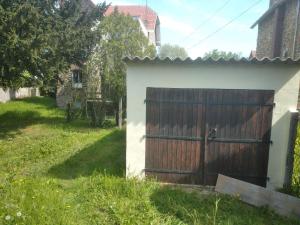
[(284, 79), (9, 94)]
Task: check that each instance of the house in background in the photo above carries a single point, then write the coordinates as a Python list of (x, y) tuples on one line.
[(73, 85), (147, 18), (278, 30), (70, 87)]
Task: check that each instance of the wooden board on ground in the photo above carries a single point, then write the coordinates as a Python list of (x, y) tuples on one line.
[(258, 196)]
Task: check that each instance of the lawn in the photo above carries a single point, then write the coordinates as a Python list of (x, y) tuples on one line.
[(59, 173)]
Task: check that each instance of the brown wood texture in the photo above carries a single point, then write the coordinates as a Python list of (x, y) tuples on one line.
[(241, 123), (194, 134)]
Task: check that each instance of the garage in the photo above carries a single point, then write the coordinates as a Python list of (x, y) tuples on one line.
[(190, 120), (194, 134)]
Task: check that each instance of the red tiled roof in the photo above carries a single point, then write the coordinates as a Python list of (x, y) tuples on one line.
[(146, 14)]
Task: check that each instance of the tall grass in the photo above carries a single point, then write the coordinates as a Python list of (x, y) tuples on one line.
[(296, 172), (55, 173)]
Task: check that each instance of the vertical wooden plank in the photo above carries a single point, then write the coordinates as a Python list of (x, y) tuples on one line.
[(163, 150), (179, 132), (244, 148), (195, 144), (221, 163), (266, 131), (175, 133), (208, 147), (189, 98), (169, 96), (184, 132), (158, 141), (149, 130), (249, 162), (202, 132), (166, 133)]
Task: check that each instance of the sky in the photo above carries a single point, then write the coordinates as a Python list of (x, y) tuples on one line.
[(192, 24)]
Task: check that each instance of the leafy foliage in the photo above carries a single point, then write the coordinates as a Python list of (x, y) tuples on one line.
[(172, 51), (44, 38), (122, 37), (296, 173), (294, 188), (216, 54)]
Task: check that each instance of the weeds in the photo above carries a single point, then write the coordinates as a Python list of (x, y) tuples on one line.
[(53, 172)]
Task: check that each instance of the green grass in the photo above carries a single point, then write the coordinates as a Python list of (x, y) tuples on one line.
[(56, 173), (295, 190)]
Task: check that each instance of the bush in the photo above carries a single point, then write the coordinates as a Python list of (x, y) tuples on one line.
[(296, 173), (96, 113), (73, 111)]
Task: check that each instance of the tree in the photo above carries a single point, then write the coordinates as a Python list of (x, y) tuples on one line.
[(216, 54), (172, 51), (42, 38), (122, 36)]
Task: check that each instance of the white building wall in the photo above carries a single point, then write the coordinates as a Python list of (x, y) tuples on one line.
[(284, 79), (10, 94)]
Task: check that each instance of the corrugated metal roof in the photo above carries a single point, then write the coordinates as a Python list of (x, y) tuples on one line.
[(200, 60)]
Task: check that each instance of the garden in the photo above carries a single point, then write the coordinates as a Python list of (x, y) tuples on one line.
[(54, 172)]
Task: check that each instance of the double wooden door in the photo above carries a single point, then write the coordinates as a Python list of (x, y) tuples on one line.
[(192, 135)]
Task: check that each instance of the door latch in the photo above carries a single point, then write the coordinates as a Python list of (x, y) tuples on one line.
[(212, 133)]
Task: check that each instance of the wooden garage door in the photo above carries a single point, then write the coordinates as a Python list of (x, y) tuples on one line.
[(194, 134)]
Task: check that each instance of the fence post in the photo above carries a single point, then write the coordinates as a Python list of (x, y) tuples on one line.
[(120, 113), (291, 151)]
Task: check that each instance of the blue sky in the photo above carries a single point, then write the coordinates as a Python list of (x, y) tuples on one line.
[(181, 20)]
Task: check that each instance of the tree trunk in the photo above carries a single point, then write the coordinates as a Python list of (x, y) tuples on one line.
[(120, 112)]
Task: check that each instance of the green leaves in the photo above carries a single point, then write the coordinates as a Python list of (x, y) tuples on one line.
[(44, 37), (172, 51), (216, 54), (122, 36)]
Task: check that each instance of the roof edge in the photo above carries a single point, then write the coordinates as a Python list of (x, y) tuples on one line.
[(268, 12), (200, 60)]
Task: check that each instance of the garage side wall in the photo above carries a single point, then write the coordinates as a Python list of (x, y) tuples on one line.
[(284, 79)]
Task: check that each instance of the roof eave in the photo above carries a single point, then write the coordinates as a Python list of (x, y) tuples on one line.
[(157, 60), (268, 13)]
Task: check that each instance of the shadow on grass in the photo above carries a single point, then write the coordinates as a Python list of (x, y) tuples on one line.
[(195, 208), (24, 115), (106, 155), (12, 121)]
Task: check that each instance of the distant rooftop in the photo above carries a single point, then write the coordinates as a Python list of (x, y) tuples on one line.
[(146, 14)]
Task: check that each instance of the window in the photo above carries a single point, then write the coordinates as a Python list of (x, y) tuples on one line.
[(77, 79)]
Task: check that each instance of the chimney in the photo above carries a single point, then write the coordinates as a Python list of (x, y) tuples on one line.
[(272, 2)]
